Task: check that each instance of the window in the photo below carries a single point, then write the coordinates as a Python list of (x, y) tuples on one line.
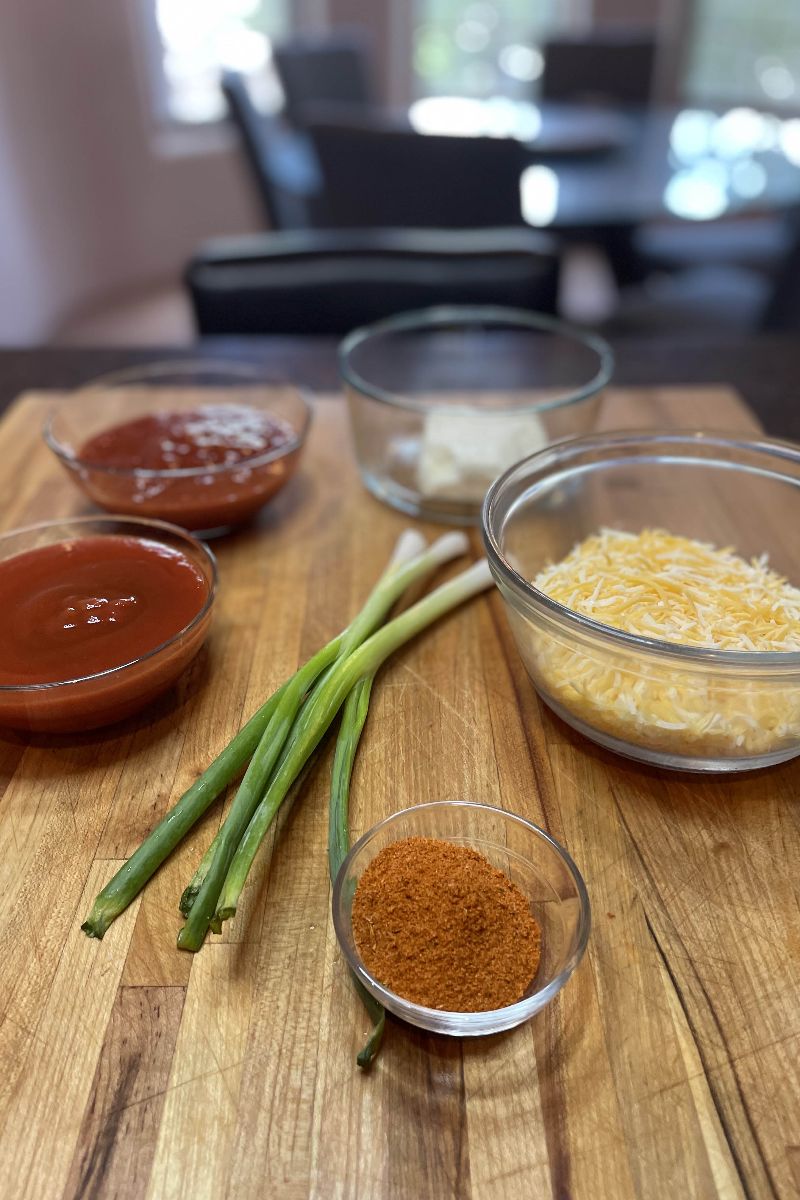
[(745, 51), (484, 48), (199, 38)]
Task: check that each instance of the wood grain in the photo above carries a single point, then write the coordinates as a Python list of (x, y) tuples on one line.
[(668, 1067), (117, 1142)]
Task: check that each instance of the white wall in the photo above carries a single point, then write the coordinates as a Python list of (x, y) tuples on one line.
[(23, 279), (88, 202)]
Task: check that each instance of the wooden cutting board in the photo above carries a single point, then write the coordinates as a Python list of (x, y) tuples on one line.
[(668, 1067)]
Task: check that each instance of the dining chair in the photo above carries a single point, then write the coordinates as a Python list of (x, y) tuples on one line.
[(328, 282), (756, 243), (606, 66), (376, 174), (323, 69), (706, 301), (281, 160), (781, 312)]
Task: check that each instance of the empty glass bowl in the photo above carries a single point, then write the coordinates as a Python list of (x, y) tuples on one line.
[(267, 421), (536, 863), (676, 706), (443, 400)]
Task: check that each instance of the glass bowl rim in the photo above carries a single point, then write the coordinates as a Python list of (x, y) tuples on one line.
[(185, 366), (418, 1012), (431, 319), (616, 638), (151, 522)]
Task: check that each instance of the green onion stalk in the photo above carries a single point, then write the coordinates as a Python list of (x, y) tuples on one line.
[(400, 574), (132, 876), (313, 721), (354, 716), (123, 888), (409, 546)]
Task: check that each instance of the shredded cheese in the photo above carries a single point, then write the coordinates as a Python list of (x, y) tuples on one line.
[(673, 589)]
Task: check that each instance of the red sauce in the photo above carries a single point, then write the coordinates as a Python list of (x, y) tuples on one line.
[(81, 607), (224, 436)]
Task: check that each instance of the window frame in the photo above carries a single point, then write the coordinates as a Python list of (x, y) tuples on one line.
[(679, 31), (578, 15), (173, 136)]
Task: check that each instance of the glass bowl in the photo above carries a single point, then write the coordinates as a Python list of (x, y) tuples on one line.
[(90, 701), (536, 863), (675, 706), (443, 400), (209, 499)]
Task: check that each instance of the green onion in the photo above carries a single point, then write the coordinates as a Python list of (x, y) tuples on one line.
[(354, 716), (193, 887), (125, 886), (312, 724), (409, 546), (262, 762), (186, 812), (400, 574)]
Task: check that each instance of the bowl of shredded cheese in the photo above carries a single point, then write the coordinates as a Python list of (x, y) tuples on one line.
[(652, 583), (443, 400)]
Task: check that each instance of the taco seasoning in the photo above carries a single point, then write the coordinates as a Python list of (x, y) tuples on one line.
[(437, 924)]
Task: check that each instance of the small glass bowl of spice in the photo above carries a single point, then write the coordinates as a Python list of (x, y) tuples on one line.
[(459, 917)]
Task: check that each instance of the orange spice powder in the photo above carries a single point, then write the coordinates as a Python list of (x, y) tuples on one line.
[(437, 924)]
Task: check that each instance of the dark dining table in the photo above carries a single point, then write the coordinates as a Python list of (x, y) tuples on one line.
[(659, 164), (765, 370), (590, 168)]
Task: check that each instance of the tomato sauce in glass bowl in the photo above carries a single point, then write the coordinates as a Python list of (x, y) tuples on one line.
[(99, 617), (203, 445)]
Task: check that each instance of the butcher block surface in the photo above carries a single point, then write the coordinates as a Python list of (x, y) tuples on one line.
[(669, 1066)]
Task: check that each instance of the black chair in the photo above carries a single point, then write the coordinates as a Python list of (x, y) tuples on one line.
[(757, 243), (329, 69), (723, 296), (611, 67), (710, 301), (379, 176), (331, 282), (281, 161), (782, 309)]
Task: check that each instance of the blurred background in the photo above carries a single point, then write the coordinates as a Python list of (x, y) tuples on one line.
[(236, 166)]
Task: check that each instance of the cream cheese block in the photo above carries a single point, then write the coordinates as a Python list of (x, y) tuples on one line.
[(463, 451)]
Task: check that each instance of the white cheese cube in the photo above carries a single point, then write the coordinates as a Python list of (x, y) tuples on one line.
[(462, 450)]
